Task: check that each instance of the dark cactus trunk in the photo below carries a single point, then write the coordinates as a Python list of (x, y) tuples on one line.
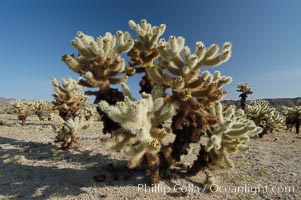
[(153, 168), (203, 160), (297, 125), (23, 119), (146, 85), (243, 99), (264, 131), (111, 96)]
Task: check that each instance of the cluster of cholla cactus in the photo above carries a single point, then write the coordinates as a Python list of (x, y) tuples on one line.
[(137, 126), (23, 109), (6, 108), (244, 90), (293, 117), (42, 109), (265, 116), (73, 111)]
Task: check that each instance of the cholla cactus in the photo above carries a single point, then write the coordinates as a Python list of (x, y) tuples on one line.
[(245, 90), (68, 101), (100, 64), (179, 69), (42, 109), (100, 61), (67, 130), (230, 134), (265, 116), (86, 112), (141, 131), (178, 59), (68, 98), (23, 109), (168, 65), (6, 108), (145, 49), (185, 69), (293, 117)]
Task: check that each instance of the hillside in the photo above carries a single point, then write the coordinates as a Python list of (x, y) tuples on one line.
[(273, 102), (6, 100)]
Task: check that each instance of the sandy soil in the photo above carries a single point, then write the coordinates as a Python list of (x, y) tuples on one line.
[(33, 167)]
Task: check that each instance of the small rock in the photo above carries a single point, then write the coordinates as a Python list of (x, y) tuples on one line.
[(292, 174), (276, 139)]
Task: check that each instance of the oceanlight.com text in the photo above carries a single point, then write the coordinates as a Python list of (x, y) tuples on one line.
[(190, 188)]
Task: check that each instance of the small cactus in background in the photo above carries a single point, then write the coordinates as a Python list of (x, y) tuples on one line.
[(245, 91), (86, 112), (42, 109), (69, 101), (68, 98), (6, 108), (265, 116), (293, 117), (23, 109), (67, 130)]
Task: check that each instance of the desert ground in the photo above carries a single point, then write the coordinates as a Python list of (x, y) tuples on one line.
[(32, 166)]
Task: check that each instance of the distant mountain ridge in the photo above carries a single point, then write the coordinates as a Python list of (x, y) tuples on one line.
[(273, 102), (6, 100)]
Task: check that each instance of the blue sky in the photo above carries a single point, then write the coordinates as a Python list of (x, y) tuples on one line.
[(266, 38)]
